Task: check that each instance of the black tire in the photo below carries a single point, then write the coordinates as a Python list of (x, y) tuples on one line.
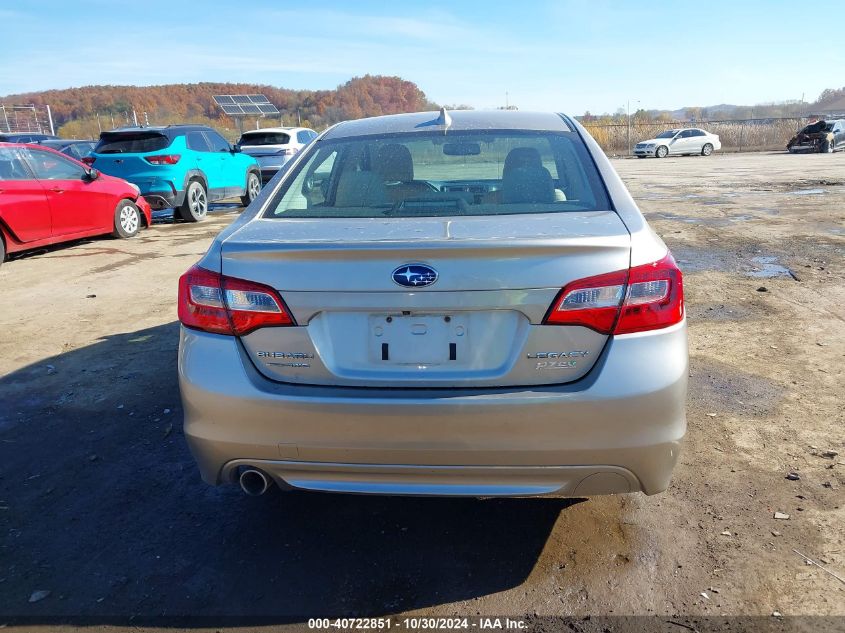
[(827, 147), (253, 188), (661, 152), (707, 149), (127, 219), (2, 249), (195, 206)]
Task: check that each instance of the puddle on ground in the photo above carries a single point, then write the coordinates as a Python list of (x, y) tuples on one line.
[(767, 266), (806, 192)]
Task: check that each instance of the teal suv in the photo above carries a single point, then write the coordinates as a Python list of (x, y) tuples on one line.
[(179, 166)]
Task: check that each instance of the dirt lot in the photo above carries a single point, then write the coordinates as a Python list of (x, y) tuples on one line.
[(102, 506)]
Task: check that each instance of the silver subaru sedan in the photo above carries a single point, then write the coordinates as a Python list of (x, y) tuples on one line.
[(452, 303)]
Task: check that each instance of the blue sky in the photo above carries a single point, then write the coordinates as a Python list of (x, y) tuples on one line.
[(568, 55)]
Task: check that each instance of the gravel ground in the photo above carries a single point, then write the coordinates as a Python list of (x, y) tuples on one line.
[(101, 504)]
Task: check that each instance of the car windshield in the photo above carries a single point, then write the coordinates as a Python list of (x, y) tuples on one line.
[(432, 174), (667, 134), (131, 142), (264, 138)]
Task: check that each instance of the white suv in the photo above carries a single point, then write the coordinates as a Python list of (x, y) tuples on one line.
[(272, 147)]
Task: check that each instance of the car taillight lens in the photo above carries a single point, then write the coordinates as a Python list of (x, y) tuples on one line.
[(88, 160), (215, 303), (646, 297), (163, 159)]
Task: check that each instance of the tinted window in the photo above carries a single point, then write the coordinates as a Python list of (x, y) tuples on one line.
[(667, 134), (50, 166), (131, 142), (217, 142), (197, 142), (429, 175), (303, 136), (11, 166), (265, 138)]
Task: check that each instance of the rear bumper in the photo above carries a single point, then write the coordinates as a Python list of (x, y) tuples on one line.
[(161, 194), (270, 166), (616, 430)]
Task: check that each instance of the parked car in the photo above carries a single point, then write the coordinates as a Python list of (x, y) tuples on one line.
[(274, 146), (679, 142), (180, 166), (74, 148), (822, 136), (47, 197), (24, 137), (467, 303)]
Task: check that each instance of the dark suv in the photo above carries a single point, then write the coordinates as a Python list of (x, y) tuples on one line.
[(180, 166)]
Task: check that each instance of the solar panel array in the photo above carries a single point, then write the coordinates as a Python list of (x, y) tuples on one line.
[(245, 105)]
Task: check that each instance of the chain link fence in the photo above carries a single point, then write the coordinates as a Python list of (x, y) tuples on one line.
[(618, 139)]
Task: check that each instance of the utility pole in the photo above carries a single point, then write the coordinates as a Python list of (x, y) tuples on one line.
[(99, 127), (135, 117)]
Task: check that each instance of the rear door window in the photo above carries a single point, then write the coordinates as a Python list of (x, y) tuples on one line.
[(217, 142), (197, 142), (131, 142)]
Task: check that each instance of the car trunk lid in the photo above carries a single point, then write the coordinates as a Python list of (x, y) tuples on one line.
[(478, 324)]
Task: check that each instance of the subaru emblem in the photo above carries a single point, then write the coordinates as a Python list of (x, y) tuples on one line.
[(414, 275)]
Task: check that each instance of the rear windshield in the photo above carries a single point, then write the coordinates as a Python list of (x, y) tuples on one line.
[(429, 174), (131, 142), (265, 138)]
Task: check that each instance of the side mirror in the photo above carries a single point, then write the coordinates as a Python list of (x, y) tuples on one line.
[(236, 149), (91, 174)]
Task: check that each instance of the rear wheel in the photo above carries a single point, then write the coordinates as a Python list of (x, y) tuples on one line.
[(253, 187), (2, 249), (662, 151), (827, 147), (127, 219), (195, 206), (707, 149)]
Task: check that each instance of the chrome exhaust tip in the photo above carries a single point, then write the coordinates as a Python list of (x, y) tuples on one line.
[(254, 482)]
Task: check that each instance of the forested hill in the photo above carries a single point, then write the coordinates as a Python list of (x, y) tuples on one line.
[(359, 97)]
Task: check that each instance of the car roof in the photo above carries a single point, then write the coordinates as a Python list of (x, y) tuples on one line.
[(62, 142), (462, 120), (166, 130), (277, 129)]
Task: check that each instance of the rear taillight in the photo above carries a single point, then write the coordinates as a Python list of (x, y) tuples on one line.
[(88, 160), (163, 159), (646, 297), (215, 303)]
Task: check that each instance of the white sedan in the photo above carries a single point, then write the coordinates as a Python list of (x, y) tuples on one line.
[(679, 142)]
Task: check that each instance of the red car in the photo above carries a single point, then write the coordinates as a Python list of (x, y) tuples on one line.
[(47, 197)]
